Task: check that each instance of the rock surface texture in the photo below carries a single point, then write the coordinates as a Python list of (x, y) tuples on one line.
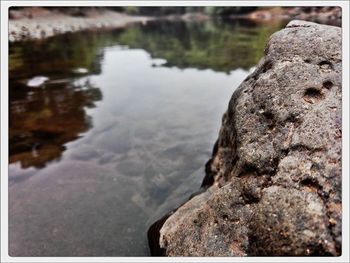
[(273, 185)]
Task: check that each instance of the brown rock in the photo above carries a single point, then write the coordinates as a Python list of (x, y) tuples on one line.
[(274, 181)]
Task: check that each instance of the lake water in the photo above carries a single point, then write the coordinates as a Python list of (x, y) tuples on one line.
[(120, 133)]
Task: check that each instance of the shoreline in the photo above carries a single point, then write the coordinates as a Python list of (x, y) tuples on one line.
[(37, 23), (50, 24)]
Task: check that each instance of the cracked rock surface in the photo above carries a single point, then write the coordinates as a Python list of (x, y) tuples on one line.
[(273, 185)]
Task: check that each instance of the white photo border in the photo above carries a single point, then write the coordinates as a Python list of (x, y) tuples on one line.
[(5, 5)]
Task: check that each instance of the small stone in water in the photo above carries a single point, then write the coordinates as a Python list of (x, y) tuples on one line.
[(80, 70), (158, 62), (37, 81)]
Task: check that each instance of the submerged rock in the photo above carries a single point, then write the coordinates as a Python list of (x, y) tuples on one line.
[(273, 185)]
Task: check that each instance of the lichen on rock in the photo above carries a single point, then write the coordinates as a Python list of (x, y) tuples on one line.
[(273, 184)]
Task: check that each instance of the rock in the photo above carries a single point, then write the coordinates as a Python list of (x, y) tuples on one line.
[(273, 185), (37, 81), (330, 15), (80, 71), (158, 62), (39, 23)]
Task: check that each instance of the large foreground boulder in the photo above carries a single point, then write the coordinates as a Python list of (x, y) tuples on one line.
[(273, 185)]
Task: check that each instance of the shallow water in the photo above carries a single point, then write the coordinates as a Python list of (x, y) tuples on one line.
[(120, 133)]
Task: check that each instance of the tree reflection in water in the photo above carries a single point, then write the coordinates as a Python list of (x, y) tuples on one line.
[(43, 119)]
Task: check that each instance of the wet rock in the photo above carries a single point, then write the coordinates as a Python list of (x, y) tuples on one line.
[(273, 185)]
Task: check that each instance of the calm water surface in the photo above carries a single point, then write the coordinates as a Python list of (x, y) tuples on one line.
[(120, 132)]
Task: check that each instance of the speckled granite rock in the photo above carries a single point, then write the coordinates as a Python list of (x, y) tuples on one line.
[(273, 185)]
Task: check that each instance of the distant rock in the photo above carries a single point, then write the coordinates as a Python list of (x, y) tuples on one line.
[(330, 15), (273, 185), (41, 23)]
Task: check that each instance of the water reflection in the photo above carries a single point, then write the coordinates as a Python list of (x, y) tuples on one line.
[(218, 45), (43, 119), (57, 57)]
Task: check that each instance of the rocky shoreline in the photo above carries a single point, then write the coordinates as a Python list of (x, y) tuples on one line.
[(39, 23), (273, 184), (330, 15)]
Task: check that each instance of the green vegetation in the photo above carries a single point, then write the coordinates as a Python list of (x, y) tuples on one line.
[(27, 59), (215, 45)]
